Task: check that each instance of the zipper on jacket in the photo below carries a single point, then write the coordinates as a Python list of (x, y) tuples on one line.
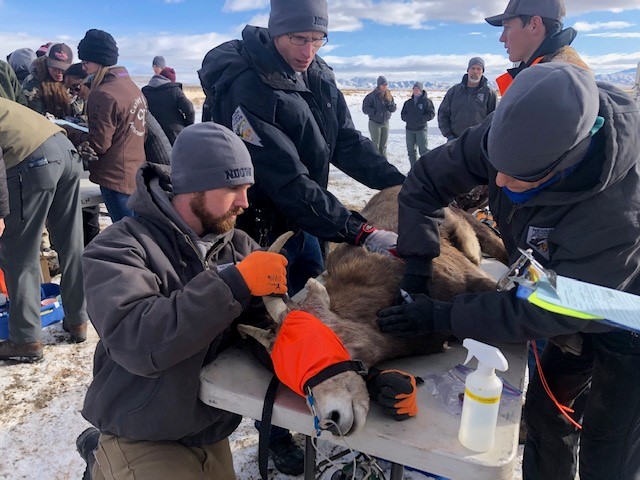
[(21, 198), (515, 207)]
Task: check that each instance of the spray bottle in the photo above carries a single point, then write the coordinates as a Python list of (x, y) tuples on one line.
[(482, 394)]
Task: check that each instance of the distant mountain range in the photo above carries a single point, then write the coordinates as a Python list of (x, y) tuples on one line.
[(624, 79)]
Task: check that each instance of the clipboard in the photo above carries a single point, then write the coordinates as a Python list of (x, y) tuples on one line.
[(545, 289)]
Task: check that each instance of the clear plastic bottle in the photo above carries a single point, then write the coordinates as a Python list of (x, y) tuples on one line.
[(482, 394)]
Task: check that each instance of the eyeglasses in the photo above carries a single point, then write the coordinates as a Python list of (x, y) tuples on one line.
[(302, 41)]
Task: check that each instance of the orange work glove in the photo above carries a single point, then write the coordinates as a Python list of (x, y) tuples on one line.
[(395, 390), (264, 273)]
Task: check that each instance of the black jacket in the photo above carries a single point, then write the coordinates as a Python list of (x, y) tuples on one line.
[(4, 191), (418, 113), (584, 227), (378, 108), (163, 309), (464, 107), (294, 126), (168, 104)]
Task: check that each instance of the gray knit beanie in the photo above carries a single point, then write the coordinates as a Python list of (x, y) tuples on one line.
[(289, 16), (382, 81), (418, 85), (543, 122), (476, 61), (207, 156), (159, 61)]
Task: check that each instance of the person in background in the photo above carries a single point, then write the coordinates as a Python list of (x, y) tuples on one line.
[(155, 336), (467, 103), (379, 106), (73, 79), (21, 60), (43, 49), (416, 112), (168, 103), (45, 90), (158, 64), (533, 33), (561, 156), (116, 112), (10, 87), (43, 177), (274, 91)]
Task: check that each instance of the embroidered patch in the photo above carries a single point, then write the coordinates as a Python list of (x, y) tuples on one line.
[(481, 97), (537, 239), (241, 127)]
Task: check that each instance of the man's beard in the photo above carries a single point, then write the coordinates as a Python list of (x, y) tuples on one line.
[(210, 223), (472, 80)]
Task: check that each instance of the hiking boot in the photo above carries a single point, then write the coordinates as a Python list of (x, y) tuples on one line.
[(21, 352), (78, 333), (287, 456), (86, 444)]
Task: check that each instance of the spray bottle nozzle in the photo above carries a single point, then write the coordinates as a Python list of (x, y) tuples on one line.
[(488, 356)]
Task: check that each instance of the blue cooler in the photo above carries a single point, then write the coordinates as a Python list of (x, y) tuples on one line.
[(52, 313)]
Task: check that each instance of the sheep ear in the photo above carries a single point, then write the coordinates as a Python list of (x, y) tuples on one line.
[(264, 337)]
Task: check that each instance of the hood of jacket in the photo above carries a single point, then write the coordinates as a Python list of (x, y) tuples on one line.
[(158, 80), (618, 154), (223, 64)]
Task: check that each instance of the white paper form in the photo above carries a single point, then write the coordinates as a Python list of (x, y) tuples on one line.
[(617, 308)]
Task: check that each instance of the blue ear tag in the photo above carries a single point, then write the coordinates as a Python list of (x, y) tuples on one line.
[(312, 407)]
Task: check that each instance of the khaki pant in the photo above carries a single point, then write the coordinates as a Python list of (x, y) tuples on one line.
[(379, 135), (119, 458)]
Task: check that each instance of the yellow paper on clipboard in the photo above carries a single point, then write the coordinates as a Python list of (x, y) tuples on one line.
[(588, 301)]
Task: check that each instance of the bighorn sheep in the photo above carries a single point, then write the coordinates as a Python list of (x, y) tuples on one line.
[(358, 283)]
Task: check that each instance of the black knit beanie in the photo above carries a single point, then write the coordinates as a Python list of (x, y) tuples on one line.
[(99, 47)]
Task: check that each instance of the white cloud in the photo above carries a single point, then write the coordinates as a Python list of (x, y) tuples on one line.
[(244, 5), (349, 15), (589, 27), (615, 35)]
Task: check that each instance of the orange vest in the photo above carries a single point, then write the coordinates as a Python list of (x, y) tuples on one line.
[(505, 80), (303, 348)]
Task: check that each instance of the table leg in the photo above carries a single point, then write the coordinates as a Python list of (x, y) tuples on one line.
[(309, 459), (397, 471)]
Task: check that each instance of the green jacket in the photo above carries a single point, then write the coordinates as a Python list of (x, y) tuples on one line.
[(9, 85)]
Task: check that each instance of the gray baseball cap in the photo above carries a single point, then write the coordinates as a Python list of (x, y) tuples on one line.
[(543, 122), (551, 9), (207, 156)]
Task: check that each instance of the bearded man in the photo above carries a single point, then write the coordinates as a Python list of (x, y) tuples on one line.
[(163, 289), (468, 103)]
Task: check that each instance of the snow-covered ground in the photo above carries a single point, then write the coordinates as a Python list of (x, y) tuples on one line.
[(40, 403)]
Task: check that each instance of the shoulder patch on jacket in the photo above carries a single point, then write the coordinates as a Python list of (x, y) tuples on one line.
[(241, 127), (537, 239)]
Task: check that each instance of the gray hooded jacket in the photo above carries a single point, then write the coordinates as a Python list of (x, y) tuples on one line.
[(163, 310)]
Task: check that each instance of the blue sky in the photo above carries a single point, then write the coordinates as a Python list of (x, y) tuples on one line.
[(402, 39)]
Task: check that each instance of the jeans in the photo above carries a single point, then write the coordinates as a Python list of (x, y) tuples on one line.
[(305, 260), (602, 385), (379, 135), (116, 203), (416, 139)]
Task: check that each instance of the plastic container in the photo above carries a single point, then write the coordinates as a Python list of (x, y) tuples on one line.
[(51, 310), (482, 394)]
